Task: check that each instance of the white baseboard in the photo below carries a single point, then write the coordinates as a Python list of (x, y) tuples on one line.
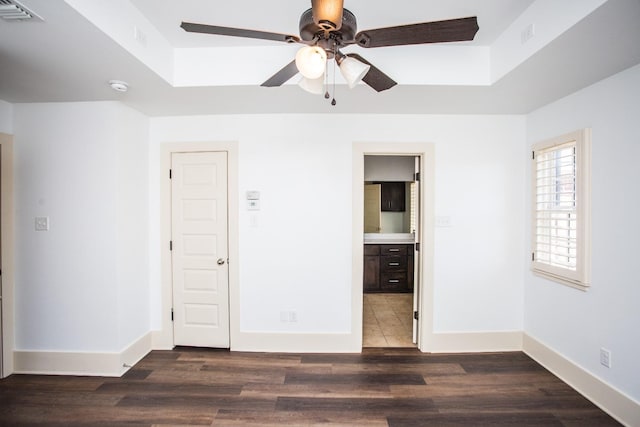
[(611, 400), (108, 364), (296, 342), (472, 342)]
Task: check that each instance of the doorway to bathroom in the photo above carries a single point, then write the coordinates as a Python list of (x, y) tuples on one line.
[(390, 273)]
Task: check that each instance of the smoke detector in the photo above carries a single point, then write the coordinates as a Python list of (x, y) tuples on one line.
[(118, 85), (11, 10)]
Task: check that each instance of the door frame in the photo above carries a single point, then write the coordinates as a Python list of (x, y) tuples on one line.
[(163, 339), (424, 259), (7, 245)]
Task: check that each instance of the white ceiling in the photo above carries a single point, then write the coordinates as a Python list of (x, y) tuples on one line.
[(67, 58)]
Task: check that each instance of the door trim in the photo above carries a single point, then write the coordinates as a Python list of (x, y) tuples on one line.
[(7, 224), (427, 214), (163, 339)]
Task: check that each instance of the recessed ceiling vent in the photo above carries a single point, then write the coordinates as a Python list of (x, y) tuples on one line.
[(11, 10)]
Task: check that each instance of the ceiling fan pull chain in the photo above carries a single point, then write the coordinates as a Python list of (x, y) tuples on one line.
[(326, 82), (333, 101)]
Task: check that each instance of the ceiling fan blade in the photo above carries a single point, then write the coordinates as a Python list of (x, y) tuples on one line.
[(452, 30), (282, 76), (238, 32), (374, 78)]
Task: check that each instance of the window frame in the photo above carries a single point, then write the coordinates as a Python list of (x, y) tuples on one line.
[(580, 278)]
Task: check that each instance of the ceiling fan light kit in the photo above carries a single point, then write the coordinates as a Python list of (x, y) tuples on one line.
[(327, 27), (352, 70), (311, 61), (314, 86)]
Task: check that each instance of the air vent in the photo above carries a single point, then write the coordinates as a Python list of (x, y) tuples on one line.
[(11, 10)]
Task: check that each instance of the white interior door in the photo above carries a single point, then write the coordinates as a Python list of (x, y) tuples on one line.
[(200, 249)]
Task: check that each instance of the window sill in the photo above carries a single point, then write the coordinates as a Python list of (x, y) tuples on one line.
[(562, 280)]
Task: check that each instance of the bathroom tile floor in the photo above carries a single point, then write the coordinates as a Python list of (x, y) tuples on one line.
[(387, 320)]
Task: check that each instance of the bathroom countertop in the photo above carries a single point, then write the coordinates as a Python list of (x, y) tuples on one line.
[(389, 238)]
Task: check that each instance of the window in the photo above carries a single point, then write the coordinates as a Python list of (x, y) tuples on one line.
[(561, 171)]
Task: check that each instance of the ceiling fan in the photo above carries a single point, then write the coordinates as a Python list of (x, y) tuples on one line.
[(327, 27)]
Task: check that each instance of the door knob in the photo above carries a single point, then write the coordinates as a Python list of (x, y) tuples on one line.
[(220, 261)]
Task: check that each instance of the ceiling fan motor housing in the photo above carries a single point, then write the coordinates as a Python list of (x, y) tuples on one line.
[(310, 30)]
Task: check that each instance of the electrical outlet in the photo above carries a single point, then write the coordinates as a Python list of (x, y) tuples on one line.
[(605, 357), (42, 223), (289, 316)]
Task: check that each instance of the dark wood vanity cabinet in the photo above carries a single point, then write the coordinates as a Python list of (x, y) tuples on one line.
[(371, 268), (392, 197), (388, 268)]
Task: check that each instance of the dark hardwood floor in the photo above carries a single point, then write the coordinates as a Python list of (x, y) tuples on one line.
[(380, 387)]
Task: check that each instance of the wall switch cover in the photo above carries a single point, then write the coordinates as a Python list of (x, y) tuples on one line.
[(443, 221), (253, 195), (42, 223), (253, 205)]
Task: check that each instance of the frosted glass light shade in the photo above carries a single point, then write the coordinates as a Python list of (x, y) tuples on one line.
[(353, 70), (311, 61), (328, 12), (315, 86)]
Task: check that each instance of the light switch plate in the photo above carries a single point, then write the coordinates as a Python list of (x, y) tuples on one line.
[(253, 195), (443, 221), (42, 223)]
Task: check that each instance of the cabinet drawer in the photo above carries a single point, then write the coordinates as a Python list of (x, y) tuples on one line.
[(393, 249), (393, 281), (391, 263), (372, 249)]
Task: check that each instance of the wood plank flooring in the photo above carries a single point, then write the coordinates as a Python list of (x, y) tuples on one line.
[(380, 387)]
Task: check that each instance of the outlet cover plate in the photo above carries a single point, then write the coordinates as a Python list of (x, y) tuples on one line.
[(42, 223), (605, 357)]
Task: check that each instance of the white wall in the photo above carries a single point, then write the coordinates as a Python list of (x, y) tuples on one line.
[(6, 117), (297, 253), (71, 164), (132, 136), (577, 324)]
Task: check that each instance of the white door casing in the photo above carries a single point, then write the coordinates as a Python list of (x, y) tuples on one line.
[(424, 259), (6, 248), (199, 256), (416, 256)]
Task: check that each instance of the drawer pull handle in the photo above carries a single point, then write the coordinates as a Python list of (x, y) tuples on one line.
[(394, 263), (394, 281), (394, 250)]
